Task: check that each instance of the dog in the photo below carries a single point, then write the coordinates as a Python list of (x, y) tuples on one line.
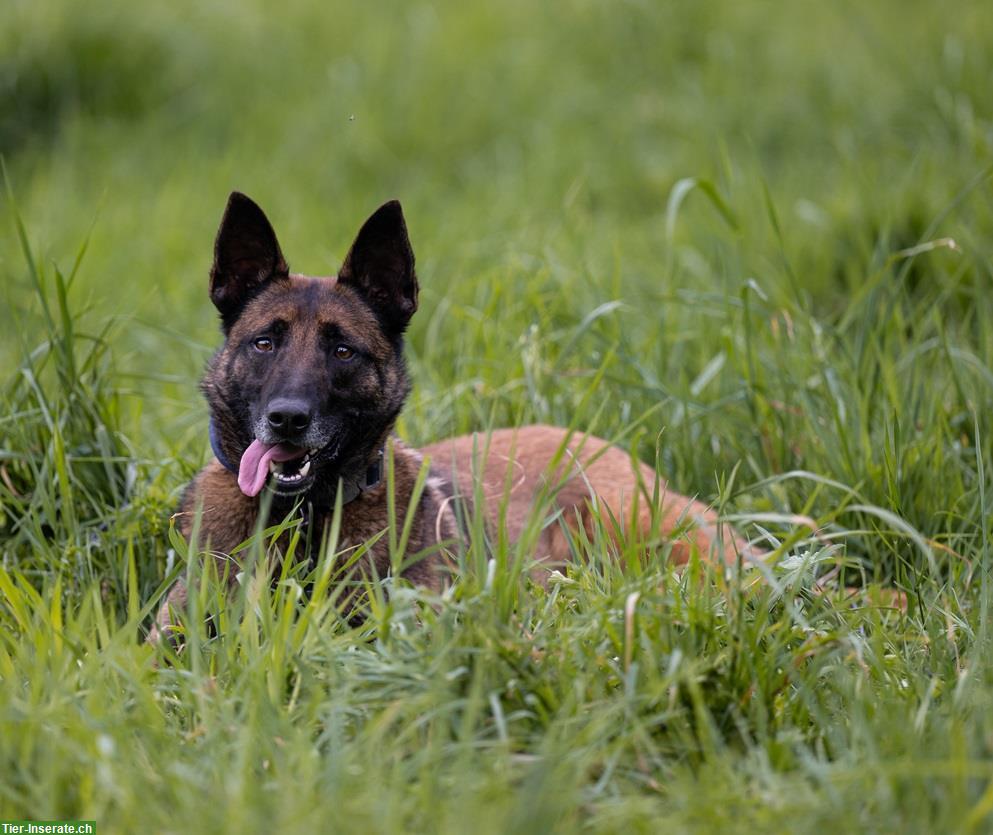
[(303, 396)]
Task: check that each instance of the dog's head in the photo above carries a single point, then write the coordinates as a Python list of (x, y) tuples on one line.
[(311, 377)]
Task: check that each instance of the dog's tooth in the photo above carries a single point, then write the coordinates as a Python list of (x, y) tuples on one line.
[(304, 469)]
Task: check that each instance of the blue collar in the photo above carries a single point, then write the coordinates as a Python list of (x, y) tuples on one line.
[(353, 487), (215, 445)]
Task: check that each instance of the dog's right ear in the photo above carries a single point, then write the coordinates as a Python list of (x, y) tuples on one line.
[(246, 256)]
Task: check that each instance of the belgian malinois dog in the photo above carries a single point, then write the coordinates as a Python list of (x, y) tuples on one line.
[(303, 397)]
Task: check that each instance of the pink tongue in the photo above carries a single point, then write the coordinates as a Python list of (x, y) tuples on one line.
[(254, 467)]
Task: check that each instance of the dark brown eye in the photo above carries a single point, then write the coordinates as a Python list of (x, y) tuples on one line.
[(344, 353), (263, 344)]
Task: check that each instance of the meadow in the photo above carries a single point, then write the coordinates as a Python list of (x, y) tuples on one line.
[(750, 242)]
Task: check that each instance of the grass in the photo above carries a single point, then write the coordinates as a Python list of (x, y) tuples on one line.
[(752, 243)]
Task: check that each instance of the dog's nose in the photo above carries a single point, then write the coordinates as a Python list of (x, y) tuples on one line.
[(288, 418)]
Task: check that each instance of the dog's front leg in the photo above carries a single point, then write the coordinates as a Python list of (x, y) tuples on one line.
[(164, 626)]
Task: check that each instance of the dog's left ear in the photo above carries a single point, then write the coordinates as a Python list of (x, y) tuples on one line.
[(246, 256), (380, 267)]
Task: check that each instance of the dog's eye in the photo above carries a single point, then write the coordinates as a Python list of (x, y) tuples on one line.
[(263, 344), (343, 352)]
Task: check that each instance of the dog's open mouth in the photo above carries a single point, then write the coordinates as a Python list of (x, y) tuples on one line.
[(288, 467), (293, 475)]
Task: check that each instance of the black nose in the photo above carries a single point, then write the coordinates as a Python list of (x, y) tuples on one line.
[(288, 418)]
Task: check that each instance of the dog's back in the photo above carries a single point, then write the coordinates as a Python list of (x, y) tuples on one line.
[(589, 481)]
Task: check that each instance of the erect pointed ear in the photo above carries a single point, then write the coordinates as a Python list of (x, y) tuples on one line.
[(380, 267), (246, 256)]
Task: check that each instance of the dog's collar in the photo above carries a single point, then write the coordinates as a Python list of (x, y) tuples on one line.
[(353, 487), (215, 445)]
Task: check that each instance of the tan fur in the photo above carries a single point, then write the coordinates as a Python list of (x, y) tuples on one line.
[(516, 470), (590, 472)]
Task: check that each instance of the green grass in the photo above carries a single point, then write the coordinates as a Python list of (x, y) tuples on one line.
[(718, 231)]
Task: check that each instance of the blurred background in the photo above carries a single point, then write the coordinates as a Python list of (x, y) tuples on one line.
[(752, 241), (616, 207)]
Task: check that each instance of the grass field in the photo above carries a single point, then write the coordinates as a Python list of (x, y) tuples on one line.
[(752, 242)]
